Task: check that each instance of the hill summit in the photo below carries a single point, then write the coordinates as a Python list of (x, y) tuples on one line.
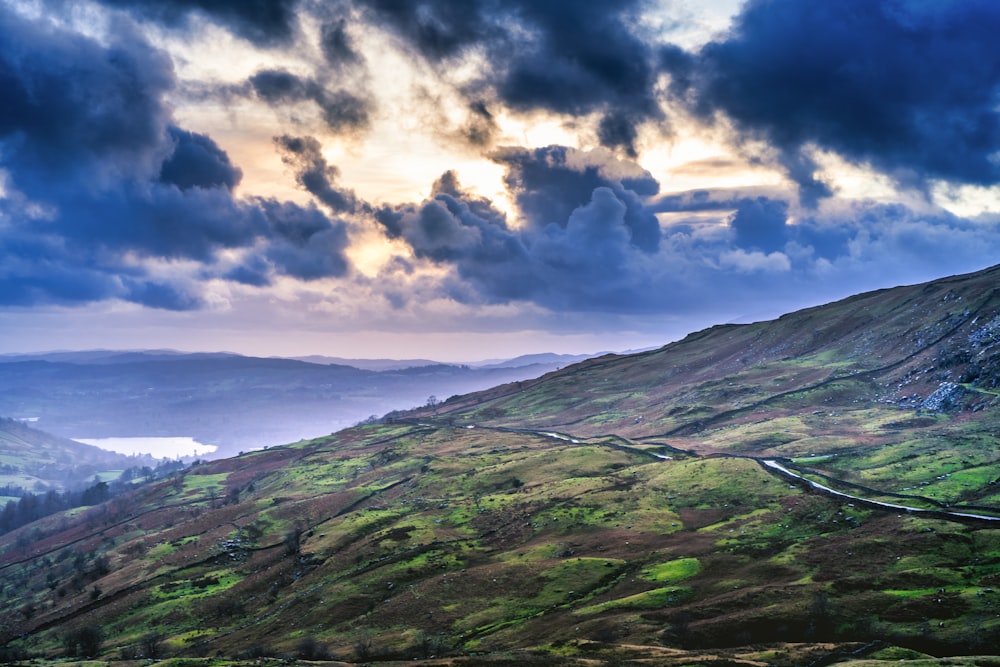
[(809, 490)]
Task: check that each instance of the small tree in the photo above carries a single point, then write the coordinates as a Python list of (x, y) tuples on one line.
[(310, 649), (363, 648), (820, 622), (84, 642), (152, 645), (293, 541), (429, 645)]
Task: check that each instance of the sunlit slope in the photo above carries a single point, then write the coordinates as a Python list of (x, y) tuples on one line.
[(407, 541)]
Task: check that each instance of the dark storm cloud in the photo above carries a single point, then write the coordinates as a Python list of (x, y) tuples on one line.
[(907, 87), (345, 112), (196, 161), (264, 22), (305, 243), (453, 226), (107, 198), (617, 129), (101, 185), (255, 272), (465, 231), (74, 108), (342, 110), (337, 44), (481, 126), (439, 29), (586, 58), (591, 259), (760, 224), (574, 247), (28, 284), (550, 183), (159, 295), (313, 173), (582, 240), (878, 236), (276, 86), (576, 58)]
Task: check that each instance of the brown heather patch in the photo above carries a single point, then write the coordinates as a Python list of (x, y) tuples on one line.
[(506, 544), (694, 519)]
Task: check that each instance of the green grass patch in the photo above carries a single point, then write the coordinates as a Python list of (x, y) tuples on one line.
[(814, 459), (422, 564), (207, 584), (204, 485), (918, 593), (672, 571), (657, 598), (571, 579)]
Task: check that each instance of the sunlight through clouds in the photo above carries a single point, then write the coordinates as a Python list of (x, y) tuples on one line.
[(566, 169)]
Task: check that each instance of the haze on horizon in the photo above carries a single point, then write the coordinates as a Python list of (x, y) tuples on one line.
[(459, 179)]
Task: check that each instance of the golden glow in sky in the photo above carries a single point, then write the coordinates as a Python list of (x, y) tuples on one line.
[(360, 178)]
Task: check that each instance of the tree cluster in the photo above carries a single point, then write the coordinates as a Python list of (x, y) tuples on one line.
[(33, 506)]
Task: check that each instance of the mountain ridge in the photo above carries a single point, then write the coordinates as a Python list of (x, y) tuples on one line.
[(736, 348), (620, 509)]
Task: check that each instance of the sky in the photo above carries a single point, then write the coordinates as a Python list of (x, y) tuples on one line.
[(471, 179)]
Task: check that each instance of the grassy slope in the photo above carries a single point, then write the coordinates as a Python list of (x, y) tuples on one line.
[(39, 461), (414, 540), (840, 384)]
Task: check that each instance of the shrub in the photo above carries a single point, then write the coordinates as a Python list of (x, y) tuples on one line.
[(310, 649), (84, 642)]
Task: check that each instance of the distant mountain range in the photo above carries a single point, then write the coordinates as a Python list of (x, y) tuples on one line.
[(235, 402), (541, 360), (107, 357)]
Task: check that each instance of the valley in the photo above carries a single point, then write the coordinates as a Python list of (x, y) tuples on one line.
[(226, 401), (819, 489)]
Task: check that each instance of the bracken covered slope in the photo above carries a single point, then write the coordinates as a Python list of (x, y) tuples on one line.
[(890, 347), (626, 510)]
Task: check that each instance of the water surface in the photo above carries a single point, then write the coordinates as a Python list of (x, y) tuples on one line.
[(158, 447)]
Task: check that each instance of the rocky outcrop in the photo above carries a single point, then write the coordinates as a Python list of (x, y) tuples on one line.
[(947, 397)]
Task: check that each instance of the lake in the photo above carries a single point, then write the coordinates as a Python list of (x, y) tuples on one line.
[(158, 447)]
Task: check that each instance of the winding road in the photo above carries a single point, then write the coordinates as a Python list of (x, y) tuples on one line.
[(966, 517), (770, 465)]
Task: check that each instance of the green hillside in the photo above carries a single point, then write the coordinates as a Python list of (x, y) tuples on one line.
[(658, 508), (36, 461)]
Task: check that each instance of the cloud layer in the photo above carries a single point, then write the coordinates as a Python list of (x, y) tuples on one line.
[(265, 22), (909, 88), (108, 195), (107, 198)]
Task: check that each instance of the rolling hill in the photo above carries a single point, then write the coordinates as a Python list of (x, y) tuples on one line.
[(816, 489), (35, 461)]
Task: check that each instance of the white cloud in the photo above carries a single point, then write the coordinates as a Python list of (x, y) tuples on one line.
[(746, 262)]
